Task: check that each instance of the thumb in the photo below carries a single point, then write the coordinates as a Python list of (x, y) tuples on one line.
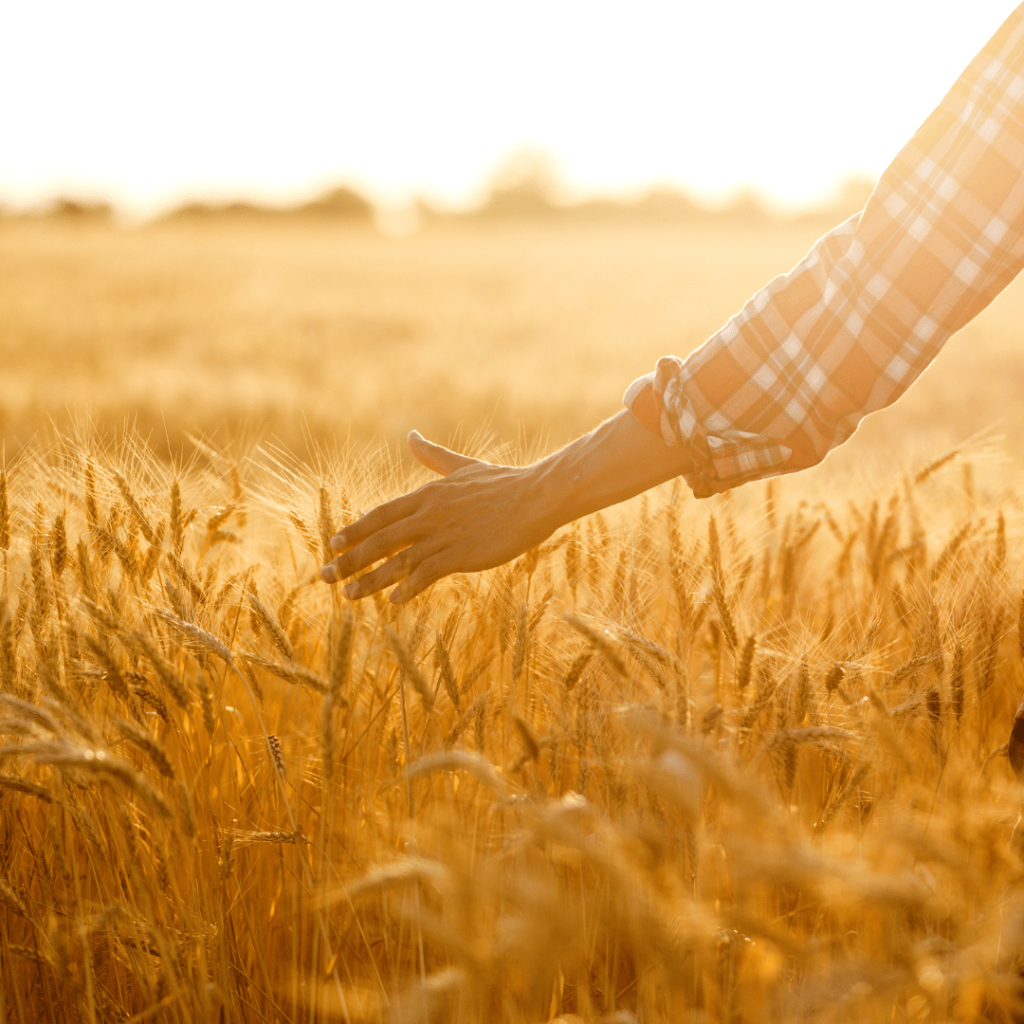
[(435, 457)]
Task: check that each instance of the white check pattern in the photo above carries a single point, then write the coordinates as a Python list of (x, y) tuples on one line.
[(851, 327)]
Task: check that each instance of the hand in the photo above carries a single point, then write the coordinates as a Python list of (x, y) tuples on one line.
[(477, 516), (481, 515)]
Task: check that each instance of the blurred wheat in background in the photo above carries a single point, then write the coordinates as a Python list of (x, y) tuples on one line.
[(741, 760)]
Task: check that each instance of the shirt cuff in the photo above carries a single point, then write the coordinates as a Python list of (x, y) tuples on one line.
[(720, 460), (645, 404), (644, 400)]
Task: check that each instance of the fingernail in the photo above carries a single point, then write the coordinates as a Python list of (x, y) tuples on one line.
[(338, 542), (352, 590), (329, 574)]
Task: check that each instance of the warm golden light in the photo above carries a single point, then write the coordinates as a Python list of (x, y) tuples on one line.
[(150, 106), (303, 723)]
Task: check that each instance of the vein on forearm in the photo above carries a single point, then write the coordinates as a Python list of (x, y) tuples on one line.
[(616, 461)]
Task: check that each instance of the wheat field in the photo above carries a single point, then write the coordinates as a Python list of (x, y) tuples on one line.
[(739, 760)]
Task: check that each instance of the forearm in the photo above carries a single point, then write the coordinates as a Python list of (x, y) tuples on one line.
[(618, 460)]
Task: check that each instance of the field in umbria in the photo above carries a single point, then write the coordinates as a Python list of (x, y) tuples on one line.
[(739, 760)]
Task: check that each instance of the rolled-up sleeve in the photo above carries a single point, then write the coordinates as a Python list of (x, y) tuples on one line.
[(850, 328)]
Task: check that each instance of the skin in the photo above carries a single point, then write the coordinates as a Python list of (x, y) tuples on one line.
[(478, 515)]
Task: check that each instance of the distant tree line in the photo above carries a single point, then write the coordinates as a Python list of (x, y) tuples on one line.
[(525, 187), (341, 203)]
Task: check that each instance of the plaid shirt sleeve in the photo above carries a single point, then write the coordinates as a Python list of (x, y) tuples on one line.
[(851, 327)]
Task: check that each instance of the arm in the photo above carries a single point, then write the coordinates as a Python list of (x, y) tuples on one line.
[(479, 515), (787, 379), (850, 328)]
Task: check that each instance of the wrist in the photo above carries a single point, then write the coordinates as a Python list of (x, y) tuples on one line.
[(617, 461), (548, 497)]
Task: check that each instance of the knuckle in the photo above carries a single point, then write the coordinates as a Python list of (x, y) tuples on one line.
[(373, 521), (371, 582), (383, 542), (427, 495), (347, 564), (429, 570), (392, 570)]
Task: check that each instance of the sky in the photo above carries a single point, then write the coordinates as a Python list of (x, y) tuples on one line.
[(150, 104)]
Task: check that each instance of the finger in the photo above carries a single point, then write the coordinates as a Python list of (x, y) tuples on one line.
[(433, 456), (429, 571), (382, 544), (374, 520), (392, 571)]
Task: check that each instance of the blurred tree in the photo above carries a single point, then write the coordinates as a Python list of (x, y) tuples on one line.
[(526, 182), (64, 208), (339, 202)]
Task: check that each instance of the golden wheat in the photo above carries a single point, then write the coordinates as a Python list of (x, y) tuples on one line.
[(735, 761)]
